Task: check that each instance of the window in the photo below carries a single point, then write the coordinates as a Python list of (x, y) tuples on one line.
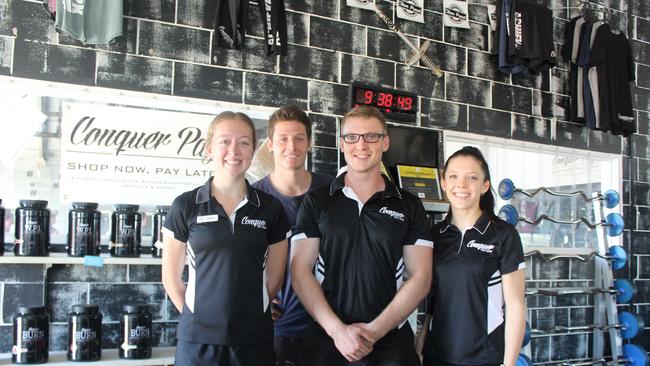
[(531, 166)]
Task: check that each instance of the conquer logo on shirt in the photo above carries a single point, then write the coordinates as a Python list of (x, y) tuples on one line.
[(394, 214), (486, 248), (260, 224)]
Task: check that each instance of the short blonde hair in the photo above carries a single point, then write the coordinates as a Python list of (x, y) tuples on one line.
[(366, 112)]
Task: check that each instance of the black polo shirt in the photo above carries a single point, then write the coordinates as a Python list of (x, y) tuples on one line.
[(467, 306), (360, 264), (226, 301)]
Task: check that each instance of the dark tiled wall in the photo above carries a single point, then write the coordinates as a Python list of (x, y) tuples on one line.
[(168, 48)]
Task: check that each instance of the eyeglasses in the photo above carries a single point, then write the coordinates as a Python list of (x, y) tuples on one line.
[(353, 138)]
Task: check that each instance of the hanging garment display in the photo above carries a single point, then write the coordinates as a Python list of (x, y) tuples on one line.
[(90, 21), (525, 37), (230, 25), (611, 54), (275, 26), (592, 75), (584, 89), (602, 68), (570, 54), (505, 64)]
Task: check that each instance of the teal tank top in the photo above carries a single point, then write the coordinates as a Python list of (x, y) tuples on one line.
[(90, 21)]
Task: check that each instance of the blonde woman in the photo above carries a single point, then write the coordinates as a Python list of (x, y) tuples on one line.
[(234, 239)]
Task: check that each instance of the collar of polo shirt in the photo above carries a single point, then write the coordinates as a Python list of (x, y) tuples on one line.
[(203, 194), (480, 225), (390, 191)]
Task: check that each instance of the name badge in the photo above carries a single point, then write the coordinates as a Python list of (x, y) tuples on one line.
[(207, 218)]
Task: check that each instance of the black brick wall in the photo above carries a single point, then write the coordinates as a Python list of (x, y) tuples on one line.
[(169, 48)]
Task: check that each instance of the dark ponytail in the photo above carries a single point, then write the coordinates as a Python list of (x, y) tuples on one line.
[(487, 201)]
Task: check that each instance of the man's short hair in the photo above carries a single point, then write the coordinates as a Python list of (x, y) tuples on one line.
[(367, 112), (289, 113)]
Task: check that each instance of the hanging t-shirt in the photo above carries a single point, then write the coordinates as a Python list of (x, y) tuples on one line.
[(230, 25), (612, 55), (531, 36), (592, 75), (583, 66), (275, 26), (90, 21), (567, 54), (503, 33), (575, 56)]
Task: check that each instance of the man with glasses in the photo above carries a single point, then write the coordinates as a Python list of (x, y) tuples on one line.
[(354, 240)]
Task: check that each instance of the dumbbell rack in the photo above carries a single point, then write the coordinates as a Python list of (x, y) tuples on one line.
[(605, 310), (606, 319)]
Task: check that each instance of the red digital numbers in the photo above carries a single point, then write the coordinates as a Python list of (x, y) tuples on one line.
[(405, 103), (368, 95), (385, 100)]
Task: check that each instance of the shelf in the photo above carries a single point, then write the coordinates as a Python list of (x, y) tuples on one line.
[(161, 356), (436, 206), (63, 258)]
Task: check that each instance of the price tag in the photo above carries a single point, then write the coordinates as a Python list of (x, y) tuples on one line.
[(93, 261)]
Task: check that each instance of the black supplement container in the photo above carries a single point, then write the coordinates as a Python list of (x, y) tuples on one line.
[(84, 229), (136, 331), (31, 336), (85, 333), (125, 231), (32, 229), (156, 236)]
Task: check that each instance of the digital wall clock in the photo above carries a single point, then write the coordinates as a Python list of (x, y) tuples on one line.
[(394, 104)]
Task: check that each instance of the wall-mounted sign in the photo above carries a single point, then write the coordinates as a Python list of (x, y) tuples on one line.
[(362, 4), (411, 10), (130, 155), (455, 14)]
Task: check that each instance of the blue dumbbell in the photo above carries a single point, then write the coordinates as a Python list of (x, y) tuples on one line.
[(625, 289), (523, 360), (634, 355), (631, 324), (614, 221), (507, 189), (618, 256)]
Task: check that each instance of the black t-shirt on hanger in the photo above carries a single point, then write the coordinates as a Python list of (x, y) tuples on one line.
[(612, 55)]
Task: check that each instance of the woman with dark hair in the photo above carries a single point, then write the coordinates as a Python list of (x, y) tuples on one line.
[(478, 268), (234, 239)]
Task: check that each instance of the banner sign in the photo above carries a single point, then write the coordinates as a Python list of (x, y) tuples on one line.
[(456, 14), (130, 155), (411, 10)]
